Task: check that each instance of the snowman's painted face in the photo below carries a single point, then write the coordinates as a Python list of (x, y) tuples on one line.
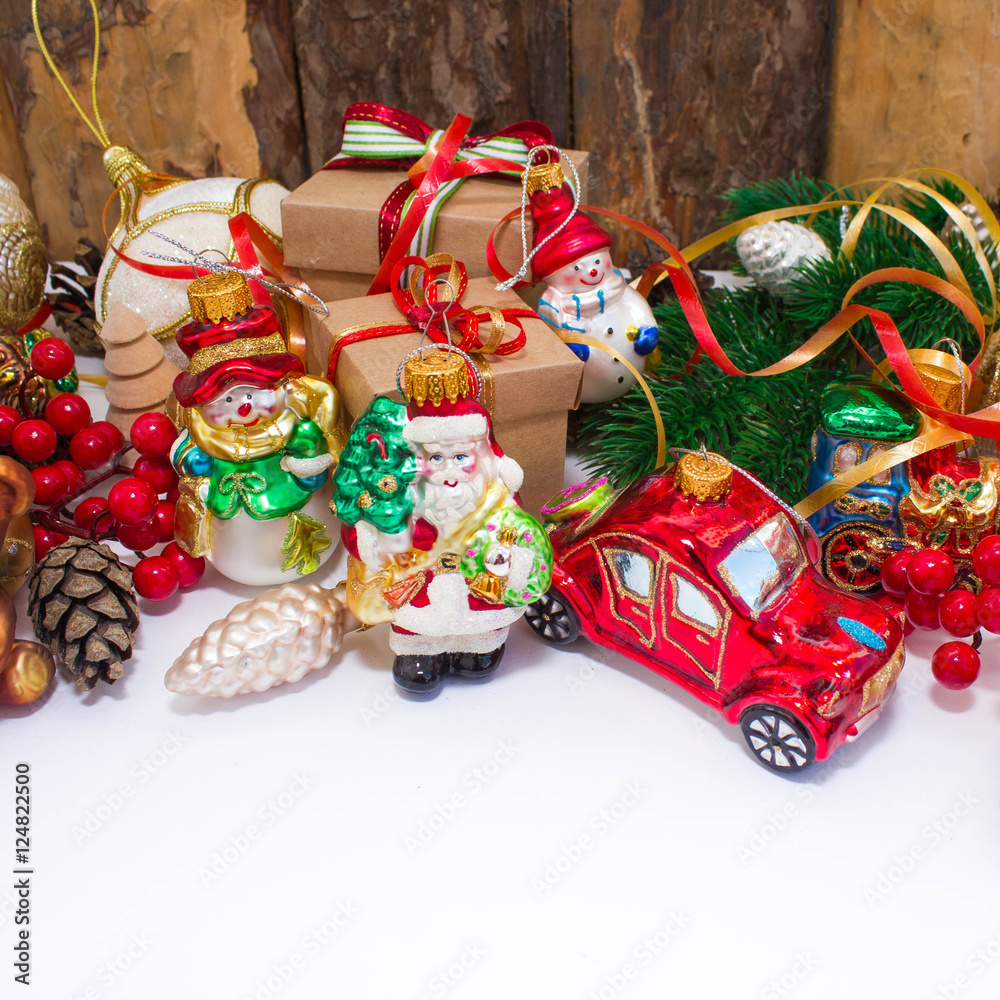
[(243, 405), (583, 274)]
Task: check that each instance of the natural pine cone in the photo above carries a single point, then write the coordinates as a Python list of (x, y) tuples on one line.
[(276, 638), (72, 298), (83, 608)]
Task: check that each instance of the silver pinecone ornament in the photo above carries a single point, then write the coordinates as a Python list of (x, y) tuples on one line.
[(772, 252), (972, 213)]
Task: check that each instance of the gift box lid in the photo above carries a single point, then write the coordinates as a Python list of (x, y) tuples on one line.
[(545, 375), (330, 222)]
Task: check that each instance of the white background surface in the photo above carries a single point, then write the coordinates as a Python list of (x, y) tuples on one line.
[(576, 827)]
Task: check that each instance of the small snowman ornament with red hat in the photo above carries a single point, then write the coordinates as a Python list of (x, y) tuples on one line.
[(439, 545), (258, 443), (585, 293)]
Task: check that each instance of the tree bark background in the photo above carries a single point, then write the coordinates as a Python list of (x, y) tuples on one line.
[(678, 100)]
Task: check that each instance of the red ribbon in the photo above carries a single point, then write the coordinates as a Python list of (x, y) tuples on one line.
[(983, 423), (424, 313), (427, 175)]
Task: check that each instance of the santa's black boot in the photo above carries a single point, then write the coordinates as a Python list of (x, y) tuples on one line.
[(476, 666), (420, 673)]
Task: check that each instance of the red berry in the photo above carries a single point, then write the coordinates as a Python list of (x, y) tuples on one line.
[(165, 515), (155, 578), (957, 613), (986, 559), (173, 495), (894, 572), (132, 502), (141, 537), (88, 511), (45, 539), (33, 440), (51, 485), (52, 358), (90, 449), (190, 568), (988, 608), (158, 472), (9, 419), (955, 665), (68, 413), (114, 436), (152, 435), (922, 610), (74, 474), (931, 571)]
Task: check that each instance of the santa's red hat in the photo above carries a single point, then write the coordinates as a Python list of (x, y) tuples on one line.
[(462, 420), (581, 236)]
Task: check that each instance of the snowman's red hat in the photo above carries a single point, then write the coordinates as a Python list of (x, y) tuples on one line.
[(462, 420), (248, 350), (580, 236)]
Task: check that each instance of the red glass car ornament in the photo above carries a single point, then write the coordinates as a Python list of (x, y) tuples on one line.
[(702, 574)]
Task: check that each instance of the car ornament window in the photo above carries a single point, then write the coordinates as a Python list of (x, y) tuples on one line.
[(762, 566), (634, 571), (691, 604)]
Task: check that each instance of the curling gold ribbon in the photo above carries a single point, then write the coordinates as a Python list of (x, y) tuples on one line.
[(661, 435)]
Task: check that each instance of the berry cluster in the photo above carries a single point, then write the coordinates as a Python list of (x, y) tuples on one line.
[(935, 595), (64, 444)]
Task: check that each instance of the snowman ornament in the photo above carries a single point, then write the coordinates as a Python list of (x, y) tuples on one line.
[(585, 293), (259, 440)]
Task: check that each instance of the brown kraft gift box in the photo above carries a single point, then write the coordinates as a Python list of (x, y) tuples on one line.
[(330, 225), (533, 389)]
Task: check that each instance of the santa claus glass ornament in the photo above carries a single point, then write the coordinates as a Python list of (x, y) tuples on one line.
[(439, 545), (585, 293), (258, 443)]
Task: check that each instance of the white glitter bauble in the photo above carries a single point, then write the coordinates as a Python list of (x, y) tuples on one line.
[(196, 213), (972, 214), (772, 251)]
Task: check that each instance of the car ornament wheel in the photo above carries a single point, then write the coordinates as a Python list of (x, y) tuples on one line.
[(778, 740), (553, 619)]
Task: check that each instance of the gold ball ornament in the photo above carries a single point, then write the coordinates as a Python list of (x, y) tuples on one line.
[(196, 213), (27, 673), (24, 262)]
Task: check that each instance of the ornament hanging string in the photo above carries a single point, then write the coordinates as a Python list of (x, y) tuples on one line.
[(518, 280), (200, 264), (97, 125)]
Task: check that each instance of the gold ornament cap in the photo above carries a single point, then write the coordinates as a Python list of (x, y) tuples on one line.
[(944, 385), (435, 376), (219, 296), (122, 165), (543, 177), (704, 477)]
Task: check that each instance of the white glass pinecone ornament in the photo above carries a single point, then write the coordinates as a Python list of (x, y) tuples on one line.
[(23, 260), (276, 638), (772, 252)]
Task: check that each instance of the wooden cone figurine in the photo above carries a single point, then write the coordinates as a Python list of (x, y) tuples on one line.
[(140, 376)]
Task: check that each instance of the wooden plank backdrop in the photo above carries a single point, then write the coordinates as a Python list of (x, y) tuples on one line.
[(679, 100)]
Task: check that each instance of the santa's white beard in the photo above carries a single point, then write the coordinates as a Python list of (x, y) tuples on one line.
[(443, 505)]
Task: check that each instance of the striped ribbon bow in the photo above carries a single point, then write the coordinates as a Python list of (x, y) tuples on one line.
[(439, 161)]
